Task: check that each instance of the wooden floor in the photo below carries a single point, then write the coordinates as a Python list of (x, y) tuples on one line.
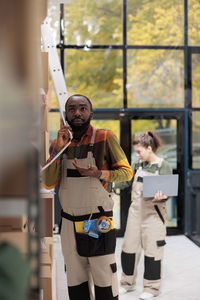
[(181, 271)]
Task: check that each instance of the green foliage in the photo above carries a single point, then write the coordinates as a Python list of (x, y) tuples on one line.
[(155, 77), (150, 22), (94, 76), (110, 124), (54, 17), (94, 22), (193, 24), (196, 80)]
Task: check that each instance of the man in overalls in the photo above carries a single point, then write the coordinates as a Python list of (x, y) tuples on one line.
[(85, 173)]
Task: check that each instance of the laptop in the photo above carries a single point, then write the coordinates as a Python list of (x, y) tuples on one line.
[(168, 184)]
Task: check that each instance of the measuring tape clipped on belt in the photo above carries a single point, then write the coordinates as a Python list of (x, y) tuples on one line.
[(94, 227), (103, 224)]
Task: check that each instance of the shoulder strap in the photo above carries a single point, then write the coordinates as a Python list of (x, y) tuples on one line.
[(90, 148), (140, 165), (159, 165)]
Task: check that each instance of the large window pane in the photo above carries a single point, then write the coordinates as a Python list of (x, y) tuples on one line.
[(96, 74), (155, 22), (53, 125), (193, 22), (54, 17), (108, 124), (196, 140), (114, 126), (166, 129), (93, 22), (196, 80), (155, 78)]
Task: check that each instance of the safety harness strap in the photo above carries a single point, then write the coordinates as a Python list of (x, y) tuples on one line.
[(74, 173), (85, 217)]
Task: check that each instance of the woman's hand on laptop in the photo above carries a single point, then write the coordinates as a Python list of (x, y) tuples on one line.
[(159, 196)]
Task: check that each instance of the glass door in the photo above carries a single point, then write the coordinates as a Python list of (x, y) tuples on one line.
[(170, 127), (167, 131)]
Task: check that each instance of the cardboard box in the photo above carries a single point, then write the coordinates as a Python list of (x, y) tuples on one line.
[(20, 241), (14, 183), (43, 9), (47, 206), (45, 71), (46, 293), (46, 272), (46, 282), (47, 251), (45, 118), (17, 239), (50, 95), (8, 224), (45, 147)]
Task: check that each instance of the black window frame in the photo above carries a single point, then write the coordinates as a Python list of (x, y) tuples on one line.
[(124, 113)]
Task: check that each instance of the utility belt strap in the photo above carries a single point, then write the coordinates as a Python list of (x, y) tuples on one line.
[(85, 217)]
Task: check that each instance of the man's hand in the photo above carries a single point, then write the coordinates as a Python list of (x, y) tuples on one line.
[(159, 196), (62, 138), (91, 171)]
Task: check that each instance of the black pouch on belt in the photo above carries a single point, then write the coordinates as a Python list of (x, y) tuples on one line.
[(89, 246)]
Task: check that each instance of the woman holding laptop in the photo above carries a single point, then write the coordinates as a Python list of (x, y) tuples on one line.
[(145, 227)]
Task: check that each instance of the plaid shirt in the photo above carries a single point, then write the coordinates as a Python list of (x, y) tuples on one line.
[(108, 154)]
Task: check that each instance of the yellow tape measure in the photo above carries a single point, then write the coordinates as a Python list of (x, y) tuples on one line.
[(104, 224)]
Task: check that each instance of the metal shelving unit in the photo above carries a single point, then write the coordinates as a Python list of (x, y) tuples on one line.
[(20, 121), (33, 211)]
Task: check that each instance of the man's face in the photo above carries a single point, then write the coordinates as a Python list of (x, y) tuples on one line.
[(78, 112)]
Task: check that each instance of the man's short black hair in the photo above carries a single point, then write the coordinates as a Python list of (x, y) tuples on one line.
[(79, 95)]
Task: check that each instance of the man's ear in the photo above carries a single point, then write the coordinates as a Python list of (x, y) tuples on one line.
[(91, 115)]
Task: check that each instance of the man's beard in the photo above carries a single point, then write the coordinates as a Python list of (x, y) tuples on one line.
[(81, 128)]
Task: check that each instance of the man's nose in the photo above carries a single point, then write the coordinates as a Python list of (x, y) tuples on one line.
[(77, 112)]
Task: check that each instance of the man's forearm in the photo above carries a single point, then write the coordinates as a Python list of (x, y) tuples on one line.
[(121, 174)]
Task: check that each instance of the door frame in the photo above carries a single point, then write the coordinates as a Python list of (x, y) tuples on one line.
[(125, 116)]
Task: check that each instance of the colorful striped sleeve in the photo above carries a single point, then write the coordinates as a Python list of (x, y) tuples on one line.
[(120, 167)]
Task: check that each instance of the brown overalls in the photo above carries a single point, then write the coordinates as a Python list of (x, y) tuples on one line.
[(145, 229), (84, 255)]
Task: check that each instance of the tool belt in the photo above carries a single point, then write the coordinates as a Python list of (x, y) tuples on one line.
[(85, 217), (96, 239)]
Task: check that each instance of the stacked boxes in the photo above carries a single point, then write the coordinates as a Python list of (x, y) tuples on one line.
[(47, 201), (8, 224), (14, 230), (46, 207), (21, 63), (19, 239), (46, 267), (45, 108)]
